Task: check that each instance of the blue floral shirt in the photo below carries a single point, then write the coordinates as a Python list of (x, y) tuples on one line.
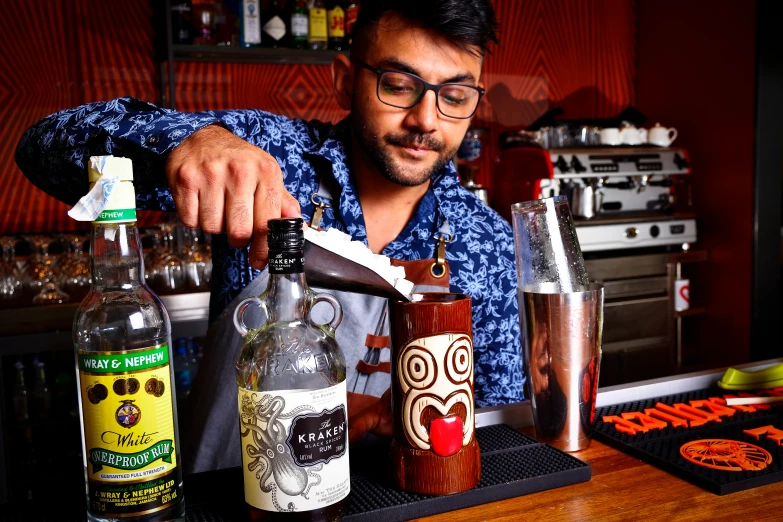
[(53, 154)]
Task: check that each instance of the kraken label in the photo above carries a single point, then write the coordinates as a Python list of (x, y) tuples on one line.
[(294, 448)]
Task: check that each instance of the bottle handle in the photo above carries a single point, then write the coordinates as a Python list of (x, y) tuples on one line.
[(239, 313), (338, 310)]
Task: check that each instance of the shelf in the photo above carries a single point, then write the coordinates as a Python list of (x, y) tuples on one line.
[(691, 312), (231, 54), (40, 319)]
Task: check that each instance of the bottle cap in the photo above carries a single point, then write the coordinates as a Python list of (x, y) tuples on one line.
[(285, 234), (110, 166)]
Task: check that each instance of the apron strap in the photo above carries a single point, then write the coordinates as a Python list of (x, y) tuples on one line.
[(322, 200)]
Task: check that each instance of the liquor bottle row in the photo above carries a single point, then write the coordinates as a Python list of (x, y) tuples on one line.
[(294, 24)]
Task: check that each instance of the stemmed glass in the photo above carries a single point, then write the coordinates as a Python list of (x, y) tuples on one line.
[(40, 268), (44, 273), (10, 275), (165, 272), (75, 268), (198, 261)]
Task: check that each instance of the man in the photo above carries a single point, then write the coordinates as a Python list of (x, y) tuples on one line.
[(412, 84)]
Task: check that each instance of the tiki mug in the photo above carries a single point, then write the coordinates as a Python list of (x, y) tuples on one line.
[(434, 449)]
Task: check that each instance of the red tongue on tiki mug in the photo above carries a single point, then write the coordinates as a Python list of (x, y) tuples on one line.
[(434, 449), (446, 435)]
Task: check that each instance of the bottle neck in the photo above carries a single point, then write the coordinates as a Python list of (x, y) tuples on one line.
[(115, 256), (287, 289)]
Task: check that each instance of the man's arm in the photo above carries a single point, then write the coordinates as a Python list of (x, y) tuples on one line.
[(185, 160)]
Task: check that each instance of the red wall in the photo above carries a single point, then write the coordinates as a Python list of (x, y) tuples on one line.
[(696, 72), (55, 54)]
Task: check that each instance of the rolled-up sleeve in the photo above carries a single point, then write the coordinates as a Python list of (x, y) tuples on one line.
[(53, 153)]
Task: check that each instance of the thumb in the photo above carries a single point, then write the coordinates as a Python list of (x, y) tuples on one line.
[(289, 207), (360, 424)]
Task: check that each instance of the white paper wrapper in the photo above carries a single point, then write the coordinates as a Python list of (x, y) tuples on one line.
[(94, 202)]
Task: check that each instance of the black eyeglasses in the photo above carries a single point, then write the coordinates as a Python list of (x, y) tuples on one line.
[(404, 90)]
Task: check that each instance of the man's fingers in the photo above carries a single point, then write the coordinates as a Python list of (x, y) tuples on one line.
[(360, 424), (266, 207), (289, 207), (239, 207), (186, 202), (211, 199)]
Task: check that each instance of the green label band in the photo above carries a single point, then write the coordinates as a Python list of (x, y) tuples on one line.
[(124, 362), (131, 461), (120, 214)]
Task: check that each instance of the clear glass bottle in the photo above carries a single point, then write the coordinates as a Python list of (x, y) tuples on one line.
[(127, 401), (300, 25), (274, 25), (292, 394), (42, 395), (319, 33), (250, 24), (335, 19), (20, 394)]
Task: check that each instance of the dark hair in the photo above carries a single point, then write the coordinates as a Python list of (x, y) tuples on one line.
[(467, 23)]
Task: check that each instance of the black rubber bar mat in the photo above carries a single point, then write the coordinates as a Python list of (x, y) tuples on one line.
[(512, 464), (735, 466)]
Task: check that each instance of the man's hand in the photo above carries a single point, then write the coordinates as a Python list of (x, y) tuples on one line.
[(375, 418), (221, 182)]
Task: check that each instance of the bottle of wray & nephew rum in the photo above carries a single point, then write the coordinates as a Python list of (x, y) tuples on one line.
[(122, 338)]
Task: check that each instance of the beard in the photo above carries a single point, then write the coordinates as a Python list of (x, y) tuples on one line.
[(377, 150)]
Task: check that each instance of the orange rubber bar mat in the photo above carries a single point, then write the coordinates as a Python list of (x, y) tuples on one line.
[(699, 438)]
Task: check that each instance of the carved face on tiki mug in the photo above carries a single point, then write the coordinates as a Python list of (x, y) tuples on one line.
[(435, 374), (434, 450)]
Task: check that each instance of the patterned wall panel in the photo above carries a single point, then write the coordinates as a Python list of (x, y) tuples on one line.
[(578, 54)]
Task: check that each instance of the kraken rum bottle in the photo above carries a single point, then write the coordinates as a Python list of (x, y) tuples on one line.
[(292, 394), (122, 337)]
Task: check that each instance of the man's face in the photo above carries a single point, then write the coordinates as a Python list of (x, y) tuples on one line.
[(407, 146)]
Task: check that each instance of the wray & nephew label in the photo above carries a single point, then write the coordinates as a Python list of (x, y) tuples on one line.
[(129, 430)]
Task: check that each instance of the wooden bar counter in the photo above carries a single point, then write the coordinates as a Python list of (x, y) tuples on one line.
[(625, 488)]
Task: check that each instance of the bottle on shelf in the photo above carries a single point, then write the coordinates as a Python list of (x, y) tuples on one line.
[(300, 25), (293, 371), (204, 32), (318, 37), (351, 13), (21, 396), (225, 25), (273, 25), (335, 18), (125, 378), (181, 20), (250, 24), (42, 395)]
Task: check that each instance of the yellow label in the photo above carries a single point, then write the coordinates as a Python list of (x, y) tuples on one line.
[(129, 438), (318, 26), (336, 22)]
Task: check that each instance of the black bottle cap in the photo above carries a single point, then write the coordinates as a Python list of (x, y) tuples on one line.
[(285, 234)]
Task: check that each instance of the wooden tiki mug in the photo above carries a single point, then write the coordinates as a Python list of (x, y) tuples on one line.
[(434, 449)]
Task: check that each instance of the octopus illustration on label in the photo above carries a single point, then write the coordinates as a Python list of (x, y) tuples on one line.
[(293, 448)]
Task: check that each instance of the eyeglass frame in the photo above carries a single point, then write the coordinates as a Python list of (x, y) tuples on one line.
[(434, 87)]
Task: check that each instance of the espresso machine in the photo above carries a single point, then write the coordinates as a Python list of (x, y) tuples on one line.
[(621, 197)]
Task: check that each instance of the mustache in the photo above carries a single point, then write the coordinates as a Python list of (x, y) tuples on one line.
[(413, 139)]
